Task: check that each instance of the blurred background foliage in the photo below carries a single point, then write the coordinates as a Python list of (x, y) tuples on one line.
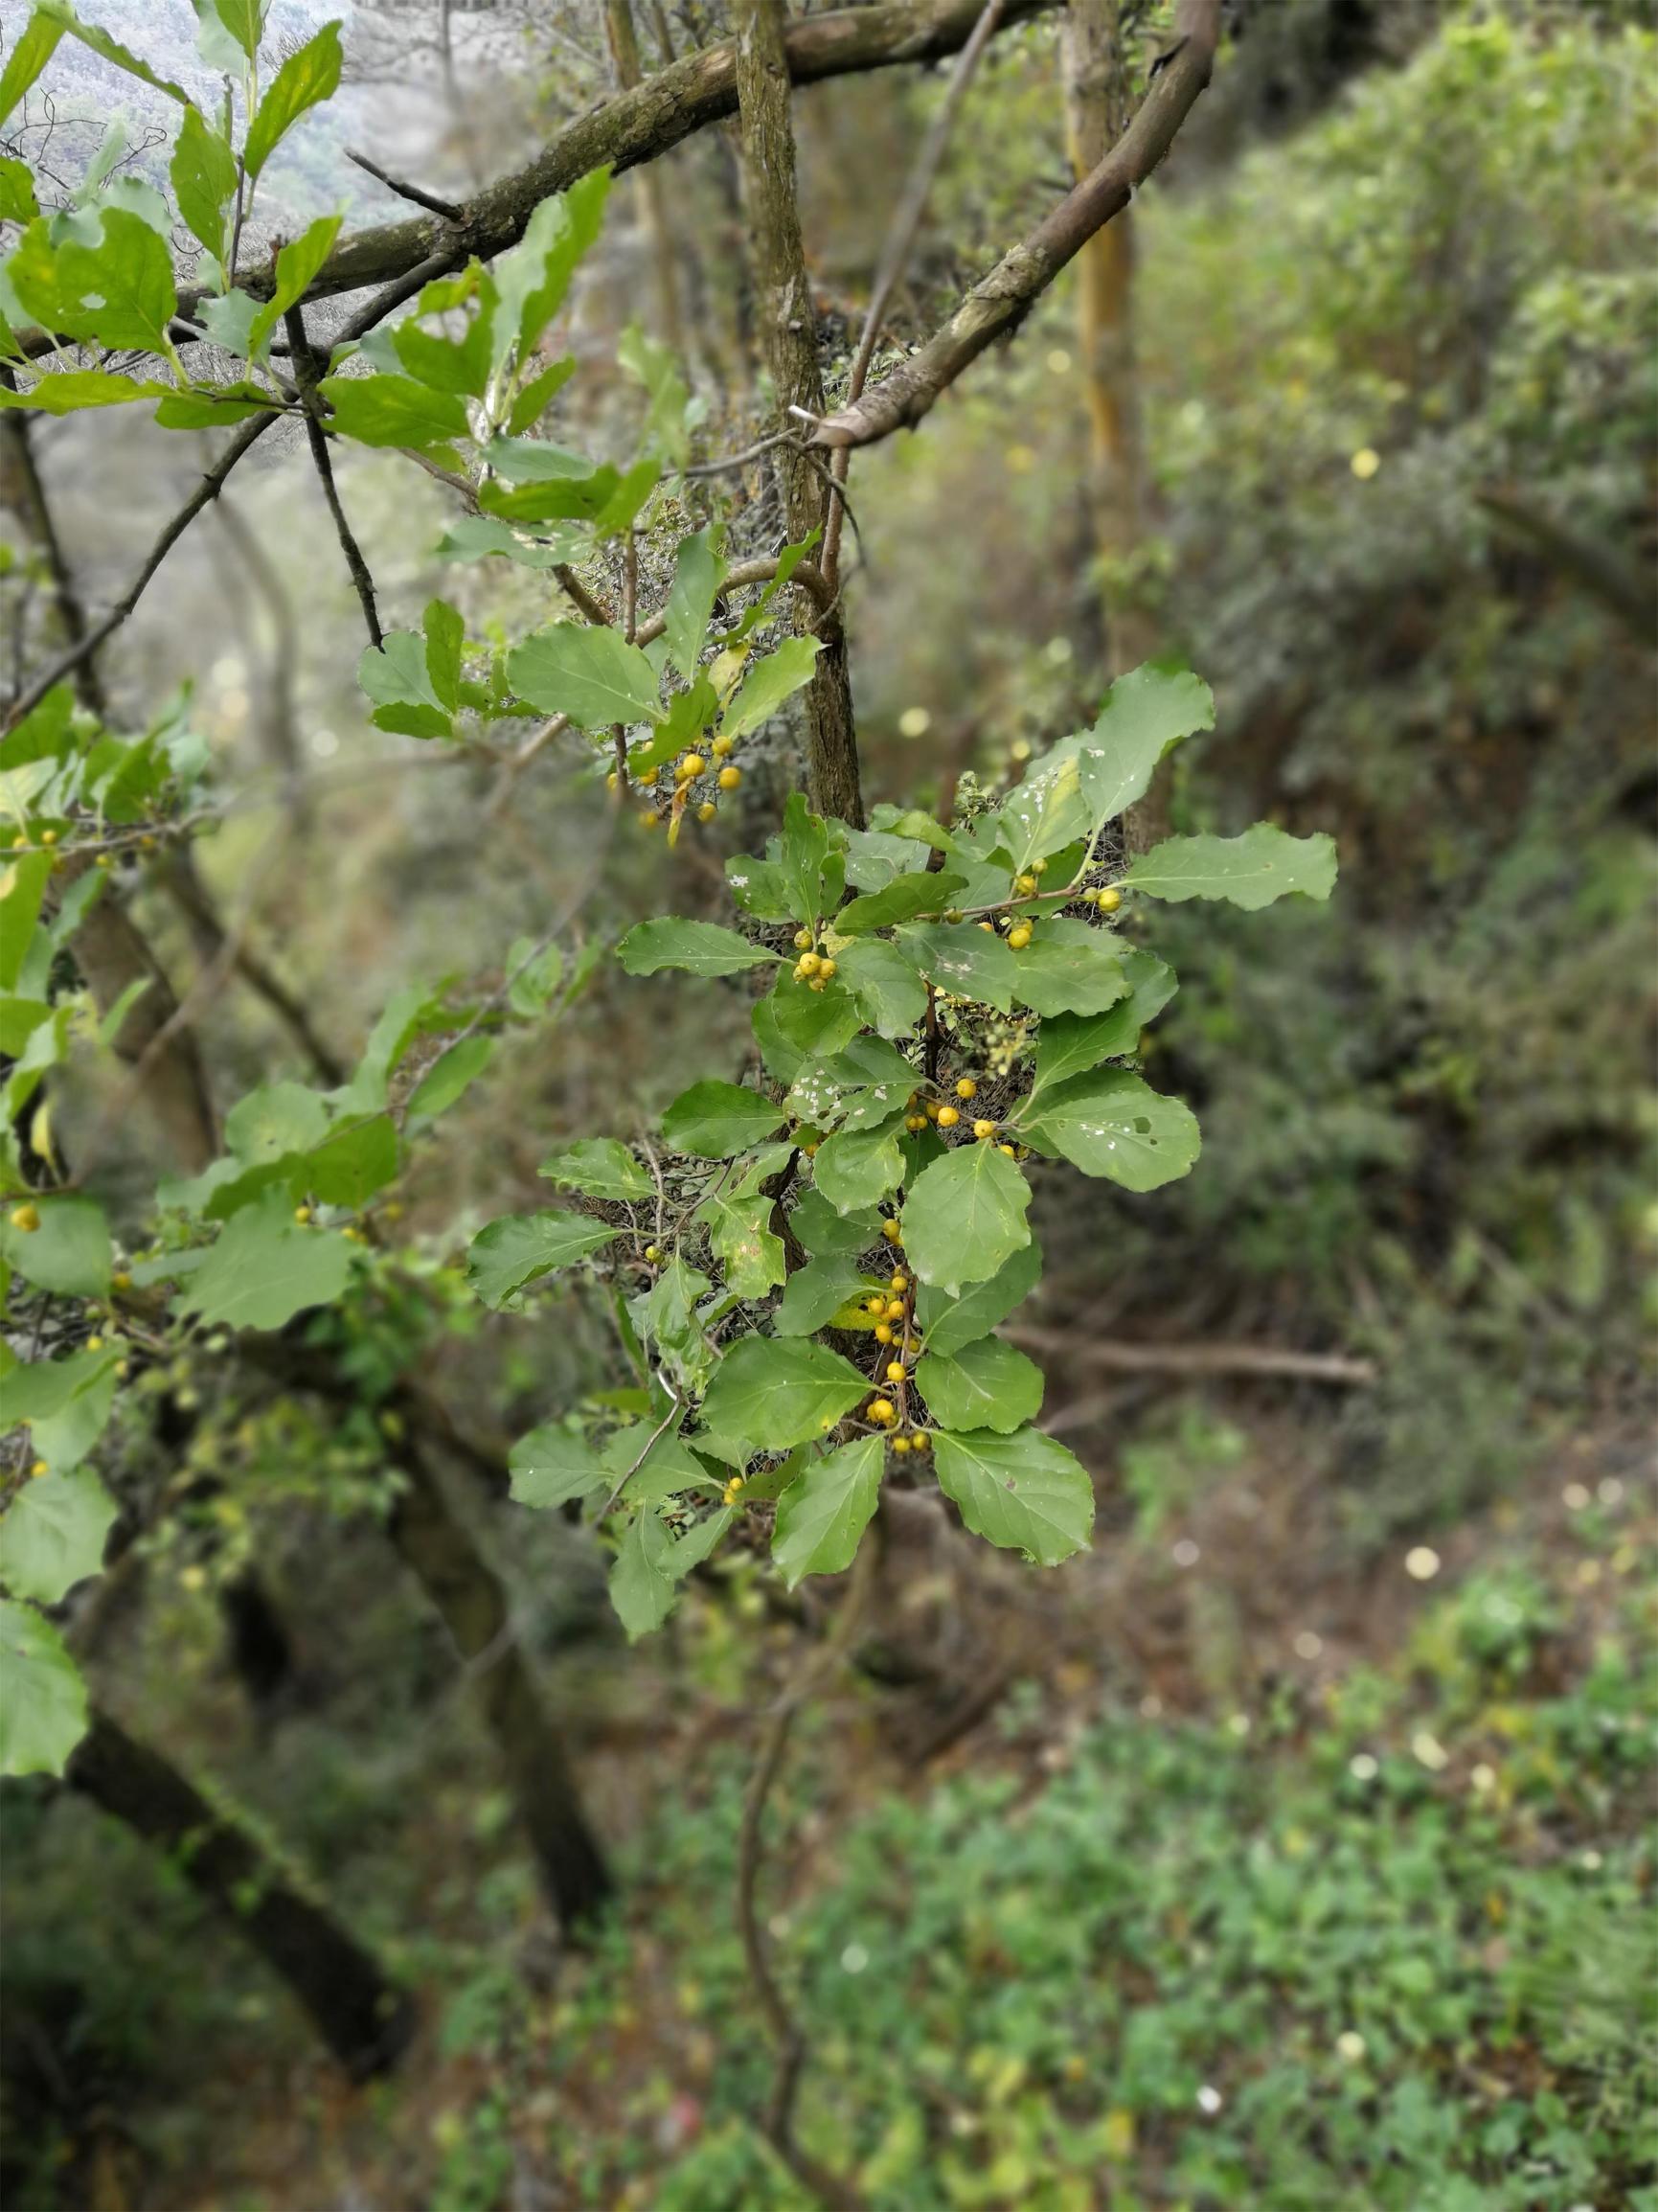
[(1280, 1872)]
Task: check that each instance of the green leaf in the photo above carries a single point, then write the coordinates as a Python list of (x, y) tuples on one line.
[(414, 680), (1075, 1044), (22, 888), (534, 276), (780, 1392), (1024, 1492), (243, 20), (823, 1514), (900, 900), (65, 1402), (965, 1215), (474, 536), (297, 263), (203, 175), (450, 1076), (815, 1294), (890, 995), (717, 1120), (587, 672), (68, 1253), (353, 1162), (853, 1170), (669, 1469), (520, 1247), (42, 1698), (768, 683), (278, 1118), (305, 78), (266, 1268), (987, 1385), (698, 572), (821, 1229), (1112, 1124), (117, 291), (386, 410), (554, 1464), (948, 1325), (1265, 863), (962, 959), (31, 50), (67, 392), (539, 393), (740, 1230), (1040, 814), (53, 1533), (1145, 712), (643, 1587), (875, 857), (598, 1166), (699, 947), (813, 872), (214, 410), (1071, 968)]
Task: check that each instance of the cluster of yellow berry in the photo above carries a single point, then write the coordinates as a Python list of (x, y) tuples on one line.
[(686, 771), (945, 1116), (734, 1490), (813, 968)]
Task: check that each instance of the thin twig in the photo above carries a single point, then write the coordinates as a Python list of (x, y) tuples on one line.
[(588, 601), (1088, 1351), (446, 208), (896, 254), (305, 376), (784, 2029)]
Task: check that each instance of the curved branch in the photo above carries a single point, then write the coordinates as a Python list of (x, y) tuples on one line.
[(1000, 301)]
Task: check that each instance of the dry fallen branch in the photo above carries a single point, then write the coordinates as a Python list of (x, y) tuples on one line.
[(1268, 1360)]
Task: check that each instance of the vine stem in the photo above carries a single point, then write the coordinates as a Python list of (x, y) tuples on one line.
[(789, 2038)]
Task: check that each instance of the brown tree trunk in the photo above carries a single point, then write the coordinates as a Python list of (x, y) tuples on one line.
[(1097, 112), (789, 325), (365, 2019), (441, 1550)]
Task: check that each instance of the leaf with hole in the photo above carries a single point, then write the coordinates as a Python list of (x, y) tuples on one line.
[(1022, 1491)]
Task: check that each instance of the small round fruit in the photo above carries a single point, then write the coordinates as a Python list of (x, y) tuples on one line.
[(39, 1468), (896, 1371), (654, 1253), (987, 926), (120, 1280), (894, 1309), (953, 914), (729, 779), (899, 1283), (914, 1122), (1019, 938), (919, 1441), (1109, 900), (808, 964), (95, 1344), (611, 781), (721, 746), (827, 968), (984, 1128), (692, 765), (649, 819), (892, 1232), (1008, 1150), (947, 1117), (25, 1218), (803, 940), (707, 811), (302, 1214), (1025, 885), (883, 1332), (883, 1409), (967, 1087), (900, 1443), (815, 983), (103, 860), (932, 1109), (48, 836)]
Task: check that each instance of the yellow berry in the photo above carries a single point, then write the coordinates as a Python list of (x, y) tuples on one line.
[(692, 765), (919, 1441), (986, 926), (894, 1370), (737, 1482), (48, 836), (1019, 938), (1038, 867), (1008, 1150), (883, 1409), (39, 1468), (967, 1087), (808, 964), (649, 819), (913, 1122), (149, 844), (984, 1128), (932, 1109), (1108, 900), (707, 811), (721, 746), (26, 1220), (652, 1253), (894, 1309), (815, 983), (947, 1117), (120, 1280), (646, 777), (122, 1369), (892, 1232), (95, 1344), (302, 1214), (953, 914), (611, 781), (883, 1334), (811, 1151), (729, 779), (900, 1283), (803, 940), (900, 1443), (1025, 885), (825, 969), (103, 861)]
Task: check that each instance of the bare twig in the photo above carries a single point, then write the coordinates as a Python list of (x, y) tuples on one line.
[(896, 254), (787, 2036), (305, 376), (1086, 1350), (446, 208), (42, 527), (1001, 300), (588, 601)]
